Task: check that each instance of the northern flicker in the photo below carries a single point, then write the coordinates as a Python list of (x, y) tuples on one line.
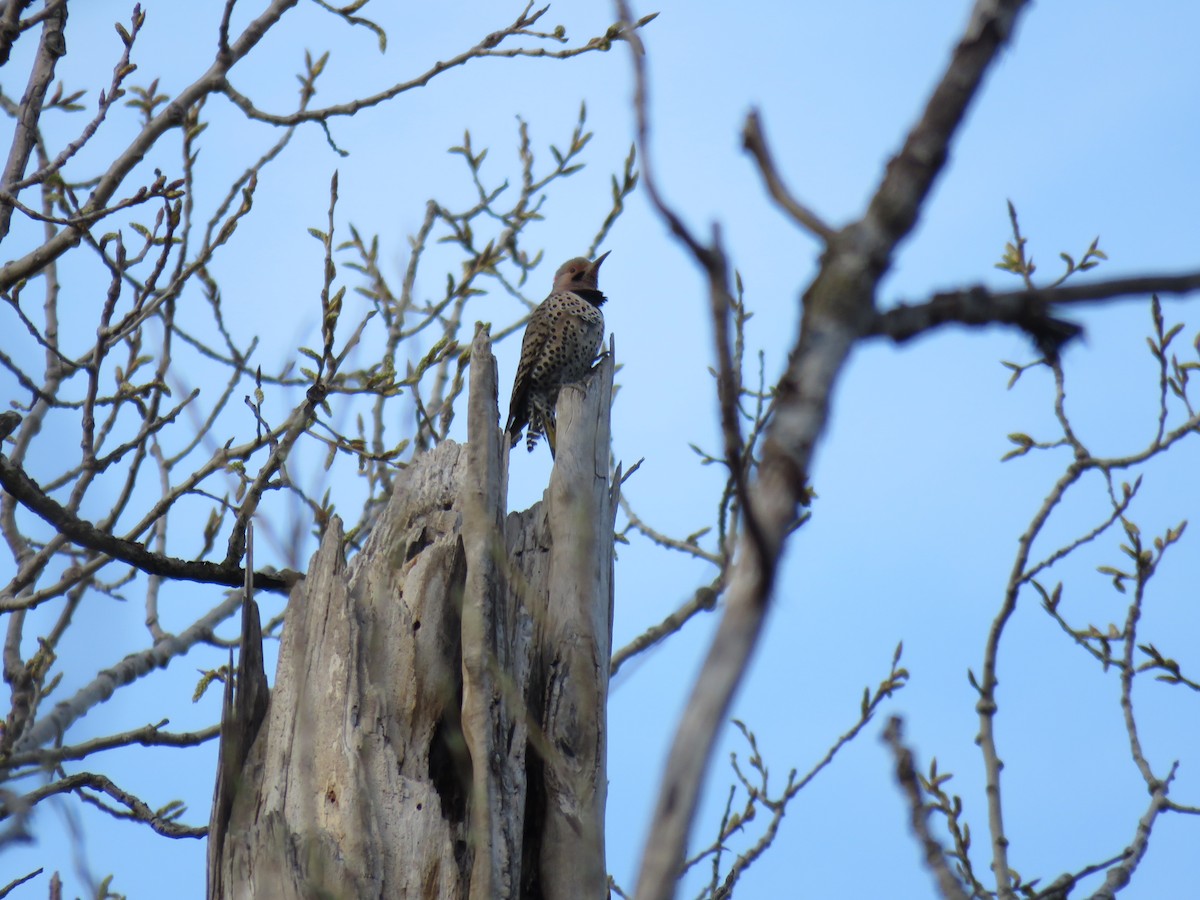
[(561, 342)]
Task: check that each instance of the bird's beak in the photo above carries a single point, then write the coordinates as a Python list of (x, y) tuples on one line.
[(595, 266)]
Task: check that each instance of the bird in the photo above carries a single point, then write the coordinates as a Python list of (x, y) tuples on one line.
[(562, 340)]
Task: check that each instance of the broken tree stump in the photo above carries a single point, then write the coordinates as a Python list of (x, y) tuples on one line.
[(437, 726)]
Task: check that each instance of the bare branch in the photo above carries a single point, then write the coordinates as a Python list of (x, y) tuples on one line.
[(52, 46), (1119, 875), (487, 47), (759, 795), (120, 72), (906, 774), (1028, 309), (655, 536), (171, 116), (10, 28), (754, 141), (838, 310), (25, 490), (17, 882), (978, 307), (146, 736), (129, 669), (705, 598), (1061, 887), (138, 811)]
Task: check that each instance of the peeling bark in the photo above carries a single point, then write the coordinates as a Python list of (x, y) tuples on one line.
[(437, 724)]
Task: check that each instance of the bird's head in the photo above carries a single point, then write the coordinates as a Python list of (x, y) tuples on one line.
[(579, 273)]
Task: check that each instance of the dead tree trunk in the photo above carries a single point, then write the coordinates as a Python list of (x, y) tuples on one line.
[(437, 725)]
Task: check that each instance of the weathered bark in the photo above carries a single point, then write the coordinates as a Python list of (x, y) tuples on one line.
[(552, 547), (242, 713), (437, 725)]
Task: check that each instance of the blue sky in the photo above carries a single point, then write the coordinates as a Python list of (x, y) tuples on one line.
[(1087, 124)]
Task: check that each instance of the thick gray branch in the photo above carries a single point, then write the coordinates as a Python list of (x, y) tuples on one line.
[(53, 45), (1030, 310), (838, 310), (26, 491)]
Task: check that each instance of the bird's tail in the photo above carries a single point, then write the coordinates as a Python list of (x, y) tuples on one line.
[(518, 418)]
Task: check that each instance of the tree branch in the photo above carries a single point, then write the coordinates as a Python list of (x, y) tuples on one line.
[(146, 736), (1119, 875), (488, 46), (1028, 309), (128, 670), (172, 115), (755, 142), (139, 811), (17, 882), (705, 598), (25, 491), (906, 774), (52, 46), (838, 310)]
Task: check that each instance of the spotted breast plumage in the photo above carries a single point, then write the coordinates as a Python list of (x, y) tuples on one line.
[(562, 340)]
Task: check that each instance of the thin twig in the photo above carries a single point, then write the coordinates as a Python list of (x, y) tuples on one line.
[(705, 598), (755, 142), (906, 774)]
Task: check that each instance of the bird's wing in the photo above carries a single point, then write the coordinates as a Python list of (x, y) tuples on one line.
[(532, 346), (518, 411)]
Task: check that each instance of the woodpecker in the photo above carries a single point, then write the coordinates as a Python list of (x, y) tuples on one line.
[(562, 340)]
